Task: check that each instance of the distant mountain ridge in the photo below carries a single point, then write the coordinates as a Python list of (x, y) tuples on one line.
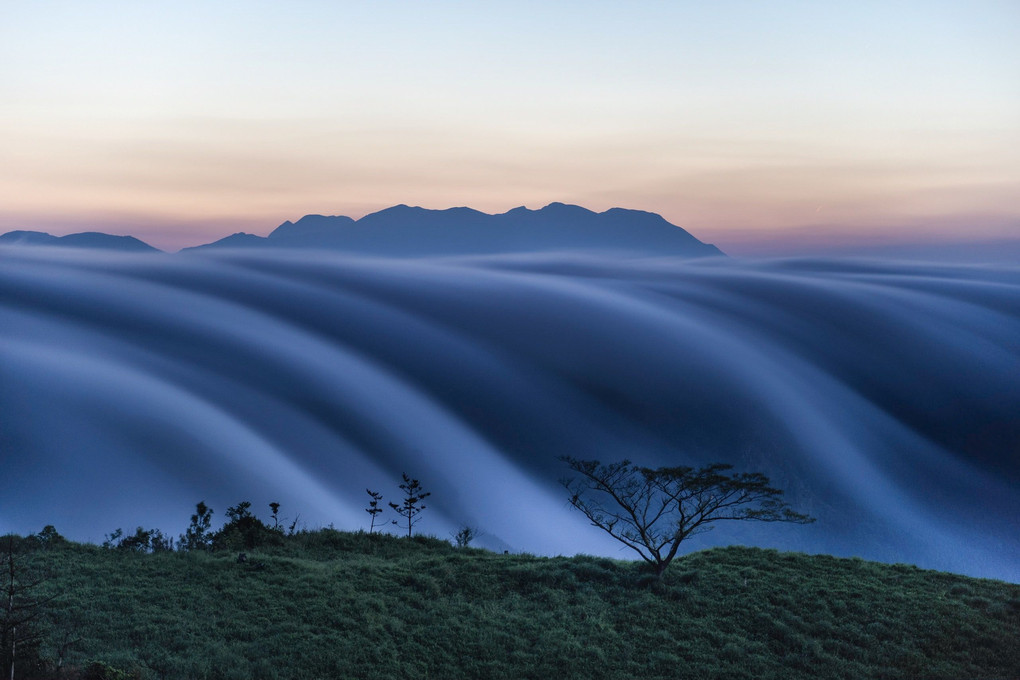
[(413, 231), (87, 239)]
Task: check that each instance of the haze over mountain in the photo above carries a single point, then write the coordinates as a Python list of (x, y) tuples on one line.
[(412, 231), (88, 239)]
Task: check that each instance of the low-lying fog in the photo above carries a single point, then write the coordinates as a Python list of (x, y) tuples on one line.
[(884, 397)]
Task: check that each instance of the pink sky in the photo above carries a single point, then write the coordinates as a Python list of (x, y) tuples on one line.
[(756, 129)]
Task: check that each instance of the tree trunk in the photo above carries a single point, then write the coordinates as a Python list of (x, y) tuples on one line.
[(10, 606)]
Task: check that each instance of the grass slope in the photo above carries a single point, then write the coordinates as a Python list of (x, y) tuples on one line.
[(340, 605)]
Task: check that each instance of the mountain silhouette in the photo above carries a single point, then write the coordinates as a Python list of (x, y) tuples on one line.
[(238, 240), (411, 231), (405, 231), (88, 239)]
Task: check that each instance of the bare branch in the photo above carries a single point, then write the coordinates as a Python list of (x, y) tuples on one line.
[(655, 510)]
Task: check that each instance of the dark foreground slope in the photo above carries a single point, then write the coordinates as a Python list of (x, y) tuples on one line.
[(340, 605)]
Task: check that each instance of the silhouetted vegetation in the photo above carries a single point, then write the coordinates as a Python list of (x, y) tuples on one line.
[(412, 505), (245, 531), (275, 509), (462, 537), (373, 508), (653, 511), (198, 535), (143, 540)]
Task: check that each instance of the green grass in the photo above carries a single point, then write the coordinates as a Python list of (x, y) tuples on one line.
[(329, 604)]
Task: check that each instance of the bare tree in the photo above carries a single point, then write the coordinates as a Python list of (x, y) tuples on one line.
[(653, 511), (373, 508), (467, 533), (21, 607), (412, 505)]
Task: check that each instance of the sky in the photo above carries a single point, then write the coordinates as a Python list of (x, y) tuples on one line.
[(766, 128)]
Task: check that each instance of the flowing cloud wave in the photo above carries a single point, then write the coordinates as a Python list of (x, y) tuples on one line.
[(882, 396)]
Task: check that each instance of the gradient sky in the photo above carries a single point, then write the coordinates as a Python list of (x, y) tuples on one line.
[(753, 125)]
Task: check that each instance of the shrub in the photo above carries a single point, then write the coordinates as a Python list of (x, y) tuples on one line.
[(245, 531)]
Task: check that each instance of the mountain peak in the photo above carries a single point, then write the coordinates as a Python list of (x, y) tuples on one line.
[(23, 237), (557, 206), (86, 239), (413, 231), (309, 227)]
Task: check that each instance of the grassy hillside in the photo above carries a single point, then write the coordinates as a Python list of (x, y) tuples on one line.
[(329, 604)]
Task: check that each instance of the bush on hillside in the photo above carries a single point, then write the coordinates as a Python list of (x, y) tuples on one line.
[(245, 531)]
